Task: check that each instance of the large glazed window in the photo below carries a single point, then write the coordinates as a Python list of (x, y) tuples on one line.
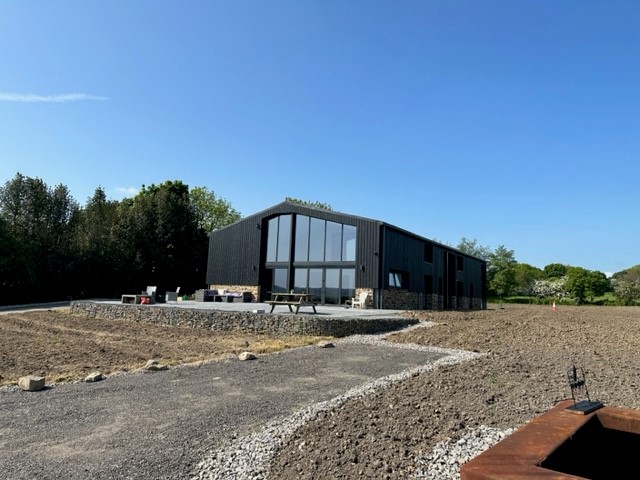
[(316, 240), (284, 238), (348, 243), (348, 290), (302, 238), (333, 250), (279, 239), (312, 255), (280, 280)]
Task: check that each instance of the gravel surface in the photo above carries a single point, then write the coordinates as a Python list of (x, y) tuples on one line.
[(411, 428), (389, 413), (161, 425)]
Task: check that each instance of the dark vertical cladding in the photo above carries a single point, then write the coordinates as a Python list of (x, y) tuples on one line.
[(451, 272), (235, 255)]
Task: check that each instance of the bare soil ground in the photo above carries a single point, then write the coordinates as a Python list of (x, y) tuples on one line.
[(65, 347), (524, 372)]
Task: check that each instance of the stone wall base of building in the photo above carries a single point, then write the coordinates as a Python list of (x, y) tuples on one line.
[(401, 299)]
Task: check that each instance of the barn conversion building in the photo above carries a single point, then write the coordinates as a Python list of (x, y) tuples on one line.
[(335, 257)]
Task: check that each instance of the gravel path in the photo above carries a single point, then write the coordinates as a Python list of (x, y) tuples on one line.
[(161, 425), (427, 425)]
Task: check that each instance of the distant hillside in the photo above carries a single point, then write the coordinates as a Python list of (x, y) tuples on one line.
[(629, 274)]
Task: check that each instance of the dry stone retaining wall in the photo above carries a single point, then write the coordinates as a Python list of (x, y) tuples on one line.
[(227, 321)]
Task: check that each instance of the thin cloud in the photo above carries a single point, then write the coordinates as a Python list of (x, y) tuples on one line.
[(127, 191), (58, 98)]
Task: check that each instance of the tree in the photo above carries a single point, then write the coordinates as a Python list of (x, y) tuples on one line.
[(307, 203), (471, 247), (42, 221), (582, 284), (553, 288), (161, 242), (525, 276), (212, 213), (555, 270), (627, 291), (97, 247), (631, 274), (501, 271)]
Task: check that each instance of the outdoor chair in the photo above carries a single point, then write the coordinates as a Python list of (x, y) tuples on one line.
[(151, 291), (361, 301), (172, 296)]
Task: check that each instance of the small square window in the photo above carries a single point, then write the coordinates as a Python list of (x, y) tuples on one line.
[(397, 279)]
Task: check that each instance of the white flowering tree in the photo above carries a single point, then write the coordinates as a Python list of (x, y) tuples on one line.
[(553, 288), (627, 291)]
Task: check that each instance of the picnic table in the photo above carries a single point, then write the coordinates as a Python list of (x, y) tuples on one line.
[(292, 300)]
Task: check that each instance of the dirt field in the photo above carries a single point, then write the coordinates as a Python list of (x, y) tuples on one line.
[(64, 347), (528, 350), (524, 372)]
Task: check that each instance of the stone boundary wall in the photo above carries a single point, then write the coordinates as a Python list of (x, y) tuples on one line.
[(247, 322)]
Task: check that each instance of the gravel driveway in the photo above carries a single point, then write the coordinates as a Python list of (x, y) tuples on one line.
[(160, 425)]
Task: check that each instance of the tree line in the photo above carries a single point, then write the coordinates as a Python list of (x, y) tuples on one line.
[(51, 248), (506, 277)]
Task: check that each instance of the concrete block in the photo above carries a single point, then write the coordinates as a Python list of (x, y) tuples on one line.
[(31, 383)]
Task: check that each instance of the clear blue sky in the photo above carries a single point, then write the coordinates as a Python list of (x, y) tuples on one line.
[(512, 123)]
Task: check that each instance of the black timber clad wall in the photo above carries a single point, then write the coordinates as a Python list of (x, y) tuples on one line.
[(405, 252), (235, 250)]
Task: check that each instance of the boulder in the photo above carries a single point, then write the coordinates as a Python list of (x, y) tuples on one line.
[(94, 377), (154, 366), (31, 383), (246, 356)]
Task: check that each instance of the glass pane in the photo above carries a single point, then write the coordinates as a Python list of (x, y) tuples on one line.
[(300, 280), (395, 279), (332, 286), (316, 240), (315, 283), (334, 242), (284, 238), (279, 280), (348, 290), (272, 239), (302, 238), (349, 243)]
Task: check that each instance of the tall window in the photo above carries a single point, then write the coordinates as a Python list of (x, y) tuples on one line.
[(302, 238), (284, 238), (279, 239), (348, 243), (280, 280), (316, 240), (428, 252), (333, 247)]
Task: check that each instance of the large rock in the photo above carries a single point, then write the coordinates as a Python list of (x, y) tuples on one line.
[(31, 383), (94, 377), (154, 366), (247, 356)]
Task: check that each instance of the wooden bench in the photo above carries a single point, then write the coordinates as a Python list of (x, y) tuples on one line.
[(292, 300)]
